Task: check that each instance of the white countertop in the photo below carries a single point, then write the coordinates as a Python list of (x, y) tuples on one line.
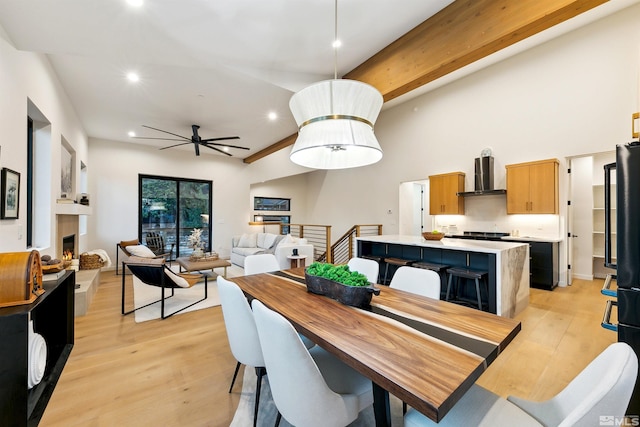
[(532, 239), (486, 246)]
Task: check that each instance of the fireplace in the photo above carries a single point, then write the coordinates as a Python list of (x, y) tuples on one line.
[(68, 247)]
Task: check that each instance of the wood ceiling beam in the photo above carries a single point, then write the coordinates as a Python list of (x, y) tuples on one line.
[(458, 35)]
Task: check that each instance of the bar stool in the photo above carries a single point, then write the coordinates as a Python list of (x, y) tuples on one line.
[(397, 262), (377, 259), (467, 273), (441, 269)]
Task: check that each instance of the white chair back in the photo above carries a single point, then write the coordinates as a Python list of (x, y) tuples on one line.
[(297, 385), (368, 267), (417, 280), (260, 263), (604, 387), (240, 325)]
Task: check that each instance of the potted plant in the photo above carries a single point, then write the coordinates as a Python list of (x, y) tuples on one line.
[(340, 283)]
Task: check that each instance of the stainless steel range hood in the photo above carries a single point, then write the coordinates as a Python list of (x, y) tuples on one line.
[(483, 179)]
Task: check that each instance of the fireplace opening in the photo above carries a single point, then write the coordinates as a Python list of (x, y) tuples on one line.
[(68, 247)]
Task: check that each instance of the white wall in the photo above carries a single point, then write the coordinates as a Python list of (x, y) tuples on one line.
[(26, 76), (572, 95), (113, 184), (294, 188)]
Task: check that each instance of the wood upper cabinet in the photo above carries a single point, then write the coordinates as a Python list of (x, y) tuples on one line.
[(532, 187), (443, 197)]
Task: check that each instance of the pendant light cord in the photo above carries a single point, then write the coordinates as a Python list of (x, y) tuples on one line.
[(335, 42)]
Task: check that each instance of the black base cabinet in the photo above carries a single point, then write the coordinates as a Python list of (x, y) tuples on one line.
[(543, 264), (52, 314)]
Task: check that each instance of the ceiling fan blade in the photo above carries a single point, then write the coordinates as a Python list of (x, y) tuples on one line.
[(196, 146), (175, 145), (220, 139), (217, 149), (164, 131), (224, 145), (163, 139)]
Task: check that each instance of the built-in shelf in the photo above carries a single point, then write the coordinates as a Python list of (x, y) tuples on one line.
[(481, 193), (73, 209), (598, 236)]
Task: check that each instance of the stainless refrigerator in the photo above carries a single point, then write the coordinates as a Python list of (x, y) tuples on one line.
[(627, 262)]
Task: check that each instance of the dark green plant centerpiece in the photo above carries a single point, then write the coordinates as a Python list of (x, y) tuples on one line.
[(340, 283)]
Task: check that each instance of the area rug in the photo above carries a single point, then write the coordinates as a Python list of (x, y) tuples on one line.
[(268, 412), (145, 294)]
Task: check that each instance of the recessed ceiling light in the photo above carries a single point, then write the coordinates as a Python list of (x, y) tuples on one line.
[(131, 133), (336, 44), (272, 115), (133, 77), (225, 148), (135, 3)]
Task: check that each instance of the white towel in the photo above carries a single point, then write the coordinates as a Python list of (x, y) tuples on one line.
[(103, 256)]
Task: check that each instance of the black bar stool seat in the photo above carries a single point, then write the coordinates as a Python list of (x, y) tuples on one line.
[(469, 274), (397, 262)]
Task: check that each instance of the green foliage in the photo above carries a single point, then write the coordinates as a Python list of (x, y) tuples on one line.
[(338, 273)]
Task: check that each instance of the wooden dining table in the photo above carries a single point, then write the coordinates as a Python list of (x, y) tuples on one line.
[(426, 352)]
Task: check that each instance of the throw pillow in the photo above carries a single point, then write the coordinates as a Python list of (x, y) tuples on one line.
[(126, 243), (269, 240), (141, 251), (288, 239), (145, 261), (179, 281), (248, 241)]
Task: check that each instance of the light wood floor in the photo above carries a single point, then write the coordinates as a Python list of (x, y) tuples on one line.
[(176, 372)]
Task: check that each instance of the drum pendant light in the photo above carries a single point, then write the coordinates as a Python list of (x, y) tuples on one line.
[(335, 121)]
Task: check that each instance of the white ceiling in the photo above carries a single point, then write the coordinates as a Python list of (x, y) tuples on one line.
[(221, 64)]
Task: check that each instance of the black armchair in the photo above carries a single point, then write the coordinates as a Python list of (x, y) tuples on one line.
[(156, 273)]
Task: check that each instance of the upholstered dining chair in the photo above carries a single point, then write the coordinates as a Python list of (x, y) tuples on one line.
[(154, 272), (260, 263), (303, 381), (603, 388), (241, 333), (368, 267), (417, 280)]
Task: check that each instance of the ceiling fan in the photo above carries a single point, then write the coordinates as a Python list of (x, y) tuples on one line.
[(196, 140)]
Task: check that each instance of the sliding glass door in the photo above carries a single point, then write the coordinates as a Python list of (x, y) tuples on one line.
[(172, 208)]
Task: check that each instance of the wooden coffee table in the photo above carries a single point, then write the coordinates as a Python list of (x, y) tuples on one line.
[(187, 265)]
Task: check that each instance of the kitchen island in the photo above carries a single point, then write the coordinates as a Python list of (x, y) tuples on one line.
[(507, 263)]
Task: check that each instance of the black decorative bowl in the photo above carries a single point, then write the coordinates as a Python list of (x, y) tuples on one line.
[(356, 296)]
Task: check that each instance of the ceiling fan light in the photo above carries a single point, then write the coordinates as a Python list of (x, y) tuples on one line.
[(335, 119)]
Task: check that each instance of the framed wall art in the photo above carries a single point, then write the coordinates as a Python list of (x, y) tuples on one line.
[(10, 188), (271, 204)]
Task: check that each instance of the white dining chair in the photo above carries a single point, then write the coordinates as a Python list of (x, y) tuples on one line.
[(260, 263), (368, 267), (603, 388), (417, 280), (310, 388), (242, 333)]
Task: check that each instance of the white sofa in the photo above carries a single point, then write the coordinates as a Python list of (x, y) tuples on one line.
[(260, 243)]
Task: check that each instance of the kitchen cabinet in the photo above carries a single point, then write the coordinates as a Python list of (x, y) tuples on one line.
[(543, 265), (52, 316), (443, 194), (532, 187)]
